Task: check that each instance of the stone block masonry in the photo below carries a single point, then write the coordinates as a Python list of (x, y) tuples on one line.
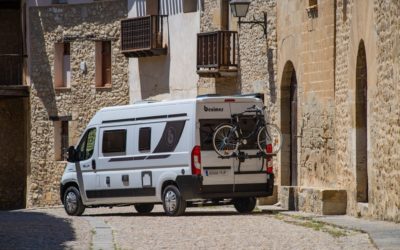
[(81, 25)]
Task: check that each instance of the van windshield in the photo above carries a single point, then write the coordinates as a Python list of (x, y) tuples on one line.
[(86, 145)]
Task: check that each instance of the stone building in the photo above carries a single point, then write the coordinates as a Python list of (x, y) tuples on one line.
[(61, 62), (339, 61), (159, 37), (329, 72)]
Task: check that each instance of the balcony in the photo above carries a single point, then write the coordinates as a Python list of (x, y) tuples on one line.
[(217, 54), (11, 75), (144, 36)]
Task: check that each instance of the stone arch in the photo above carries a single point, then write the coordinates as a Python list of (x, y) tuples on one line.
[(289, 109), (361, 101)]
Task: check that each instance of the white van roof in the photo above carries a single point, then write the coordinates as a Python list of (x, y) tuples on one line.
[(109, 113)]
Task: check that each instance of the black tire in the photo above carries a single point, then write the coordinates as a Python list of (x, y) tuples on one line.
[(144, 208), (225, 140), (173, 202), (73, 202), (245, 205)]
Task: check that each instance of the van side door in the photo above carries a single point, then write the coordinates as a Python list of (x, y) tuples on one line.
[(87, 157), (114, 168)]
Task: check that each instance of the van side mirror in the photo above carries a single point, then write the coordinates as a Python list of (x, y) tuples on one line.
[(72, 154)]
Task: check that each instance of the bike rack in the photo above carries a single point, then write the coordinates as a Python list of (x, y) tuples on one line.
[(242, 156)]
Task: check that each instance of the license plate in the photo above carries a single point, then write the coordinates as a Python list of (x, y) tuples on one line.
[(216, 172)]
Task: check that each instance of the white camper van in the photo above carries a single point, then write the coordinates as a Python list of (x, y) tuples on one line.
[(161, 152)]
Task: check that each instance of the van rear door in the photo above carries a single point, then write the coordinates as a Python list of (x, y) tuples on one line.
[(250, 175), (218, 174)]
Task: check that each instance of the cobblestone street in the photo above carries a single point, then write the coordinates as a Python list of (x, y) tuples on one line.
[(199, 228)]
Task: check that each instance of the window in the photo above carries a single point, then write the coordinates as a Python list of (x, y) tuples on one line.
[(152, 7), (189, 6), (114, 142), (86, 146), (62, 65), (103, 64), (61, 140), (208, 126), (60, 1), (144, 139), (312, 9)]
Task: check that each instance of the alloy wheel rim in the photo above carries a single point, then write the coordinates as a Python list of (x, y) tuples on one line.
[(71, 202), (170, 201)]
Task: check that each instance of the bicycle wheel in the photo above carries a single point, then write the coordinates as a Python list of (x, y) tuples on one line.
[(270, 134), (225, 140)]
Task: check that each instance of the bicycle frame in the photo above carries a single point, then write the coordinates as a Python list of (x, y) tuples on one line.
[(260, 122)]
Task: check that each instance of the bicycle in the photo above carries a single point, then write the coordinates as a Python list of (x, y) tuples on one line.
[(228, 137)]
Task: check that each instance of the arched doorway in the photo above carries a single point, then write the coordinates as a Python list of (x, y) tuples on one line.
[(289, 108), (361, 125)]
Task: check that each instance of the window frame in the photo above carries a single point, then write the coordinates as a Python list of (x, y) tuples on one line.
[(114, 153), (147, 142)]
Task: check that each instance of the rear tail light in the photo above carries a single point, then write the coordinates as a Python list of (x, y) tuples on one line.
[(269, 164), (196, 161), (230, 100)]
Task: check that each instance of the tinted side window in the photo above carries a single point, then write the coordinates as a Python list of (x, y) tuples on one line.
[(144, 139), (207, 128), (114, 142)]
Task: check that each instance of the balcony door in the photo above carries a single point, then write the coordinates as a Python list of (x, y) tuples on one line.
[(11, 43)]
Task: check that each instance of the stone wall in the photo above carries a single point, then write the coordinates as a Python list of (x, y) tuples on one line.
[(81, 25), (13, 155), (306, 41), (376, 24)]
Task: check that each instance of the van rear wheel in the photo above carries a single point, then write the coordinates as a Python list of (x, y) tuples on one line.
[(245, 205), (144, 208), (73, 202), (173, 202)]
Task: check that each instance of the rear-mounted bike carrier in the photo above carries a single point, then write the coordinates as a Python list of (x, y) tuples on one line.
[(242, 156)]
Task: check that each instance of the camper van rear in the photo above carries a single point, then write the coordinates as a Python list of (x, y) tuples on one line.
[(150, 153)]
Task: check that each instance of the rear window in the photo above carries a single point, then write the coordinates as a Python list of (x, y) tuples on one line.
[(114, 142), (208, 126)]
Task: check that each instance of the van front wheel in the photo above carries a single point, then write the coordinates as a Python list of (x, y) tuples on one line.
[(72, 202), (173, 202), (245, 205)]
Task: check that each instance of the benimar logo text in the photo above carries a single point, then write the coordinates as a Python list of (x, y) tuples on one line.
[(213, 109)]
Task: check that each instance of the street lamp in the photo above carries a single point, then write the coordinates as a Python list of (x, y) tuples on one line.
[(239, 8)]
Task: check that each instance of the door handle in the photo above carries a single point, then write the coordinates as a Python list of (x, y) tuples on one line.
[(85, 166), (108, 180), (93, 164)]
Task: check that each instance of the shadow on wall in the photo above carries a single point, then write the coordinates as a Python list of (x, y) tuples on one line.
[(154, 76), (272, 83), (31, 230), (41, 71)]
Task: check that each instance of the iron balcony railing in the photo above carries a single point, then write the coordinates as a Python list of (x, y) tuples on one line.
[(11, 69), (217, 51), (143, 36)]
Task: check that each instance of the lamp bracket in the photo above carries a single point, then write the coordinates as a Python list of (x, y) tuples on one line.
[(255, 22)]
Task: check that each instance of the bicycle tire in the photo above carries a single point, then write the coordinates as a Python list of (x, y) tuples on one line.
[(270, 133), (225, 140)]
